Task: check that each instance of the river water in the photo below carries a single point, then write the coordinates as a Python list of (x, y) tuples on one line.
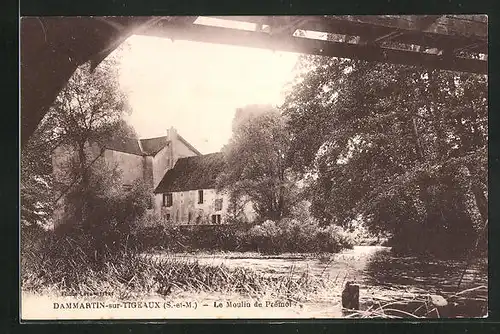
[(377, 270)]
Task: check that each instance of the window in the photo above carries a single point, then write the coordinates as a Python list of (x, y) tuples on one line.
[(218, 204), (216, 219), (189, 217), (167, 199), (168, 216), (127, 187), (200, 196), (150, 203)]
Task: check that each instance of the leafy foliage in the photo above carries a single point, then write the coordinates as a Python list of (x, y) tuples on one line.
[(285, 236), (89, 109), (405, 147), (256, 162), (291, 235), (98, 214), (110, 214)]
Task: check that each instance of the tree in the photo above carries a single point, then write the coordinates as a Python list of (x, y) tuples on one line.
[(88, 110), (36, 184), (111, 213), (403, 146), (256, 162), (98, 213)]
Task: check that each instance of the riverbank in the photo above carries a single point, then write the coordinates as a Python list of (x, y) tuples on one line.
[(383, 276), (311, 283)]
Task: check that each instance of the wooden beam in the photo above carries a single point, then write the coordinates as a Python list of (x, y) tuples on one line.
[(185, 19), (411, 29), (220, 35), (444, 32), (388, 37), (444, 25), (423, 22), (51, 50)]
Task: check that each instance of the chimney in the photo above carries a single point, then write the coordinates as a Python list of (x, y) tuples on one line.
[(171, 133), (172, 138)]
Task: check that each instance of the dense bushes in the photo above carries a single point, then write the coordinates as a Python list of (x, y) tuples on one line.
[(188, 237), (99, 218), (456, 242), (288, 235), (94, 232)]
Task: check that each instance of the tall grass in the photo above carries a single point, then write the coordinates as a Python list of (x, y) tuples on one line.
[(131, 274), (57, 266)]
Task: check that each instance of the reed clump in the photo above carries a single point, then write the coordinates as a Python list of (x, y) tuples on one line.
[(131, 274)]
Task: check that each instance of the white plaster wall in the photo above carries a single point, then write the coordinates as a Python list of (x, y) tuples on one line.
[(181, 150), (162, 162), (130, 165), (61, 161), (186, 206)]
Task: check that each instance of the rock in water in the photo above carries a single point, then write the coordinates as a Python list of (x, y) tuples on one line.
[(441, 304), (350, 296), (438, 301)]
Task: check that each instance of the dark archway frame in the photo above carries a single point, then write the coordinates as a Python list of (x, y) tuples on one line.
[(53, 47)]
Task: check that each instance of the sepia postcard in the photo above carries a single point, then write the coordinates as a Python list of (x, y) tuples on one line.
[(254, 167)]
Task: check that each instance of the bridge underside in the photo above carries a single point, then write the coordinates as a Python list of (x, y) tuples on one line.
[(52, 48)]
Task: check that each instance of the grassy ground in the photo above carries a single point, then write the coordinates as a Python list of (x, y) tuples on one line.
[(311, 283), (173, 280), (136, 275), (67, 267)]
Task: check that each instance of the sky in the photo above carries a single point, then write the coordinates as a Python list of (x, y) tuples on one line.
[(196, 87)]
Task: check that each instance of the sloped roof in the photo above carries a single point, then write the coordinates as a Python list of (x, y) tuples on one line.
[(126, 145), (151, 146), (191, 173)]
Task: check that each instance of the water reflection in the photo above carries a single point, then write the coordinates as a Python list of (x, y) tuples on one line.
[(431, 276), (376, 269)]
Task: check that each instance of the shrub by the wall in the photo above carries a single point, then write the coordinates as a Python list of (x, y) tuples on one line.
[(286, 236), (99, 218), (291, 235), (186, 238)]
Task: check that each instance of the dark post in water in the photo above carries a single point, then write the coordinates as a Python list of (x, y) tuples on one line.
[(350, 296)]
